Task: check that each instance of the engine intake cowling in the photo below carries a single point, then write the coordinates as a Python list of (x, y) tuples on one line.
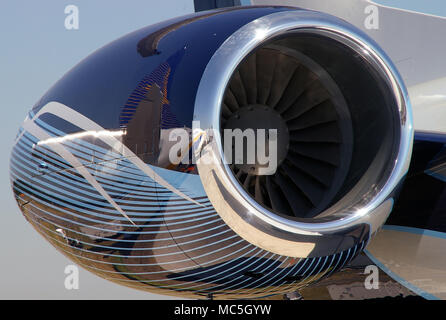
[(343, 126)]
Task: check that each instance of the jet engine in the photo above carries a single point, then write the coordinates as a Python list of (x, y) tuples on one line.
[(233, 153)]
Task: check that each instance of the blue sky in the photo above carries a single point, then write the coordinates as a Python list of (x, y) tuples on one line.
[(435, 7)]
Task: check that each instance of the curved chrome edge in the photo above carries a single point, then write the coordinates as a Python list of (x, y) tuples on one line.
[(250, 220)]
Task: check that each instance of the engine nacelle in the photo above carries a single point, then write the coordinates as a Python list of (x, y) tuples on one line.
[(98, 168)]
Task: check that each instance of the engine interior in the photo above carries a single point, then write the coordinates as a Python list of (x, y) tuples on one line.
[(335, 118)]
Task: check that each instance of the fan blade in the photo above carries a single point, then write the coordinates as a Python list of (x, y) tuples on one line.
[(247, 182), (238, 89), (300, 79), (258, 190), (266, 60), (283, 72), (322, 113), (326, 132), (321, 171), (276, 198), (325, 152), (313, 96), (313, 191), (248, 75), (298, 204), (225, 111), (231, 101)]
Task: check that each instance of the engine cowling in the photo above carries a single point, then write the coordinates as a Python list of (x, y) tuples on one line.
[(347, 132), (96, 166)]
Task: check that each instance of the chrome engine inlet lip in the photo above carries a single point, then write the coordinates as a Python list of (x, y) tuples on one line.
[(207, 111)]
